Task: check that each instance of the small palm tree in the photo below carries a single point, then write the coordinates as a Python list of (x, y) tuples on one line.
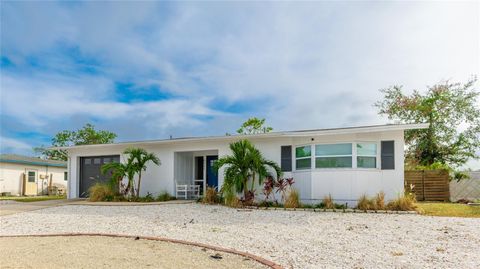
[(245, 163), (140, 158), (119, 171)]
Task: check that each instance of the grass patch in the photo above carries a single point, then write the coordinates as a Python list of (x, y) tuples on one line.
[(448, 210), (28, 199)]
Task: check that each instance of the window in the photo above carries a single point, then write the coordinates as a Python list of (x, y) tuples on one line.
[(367, 155), (333, 155), (97, 161), (388, 155), (303, 158), (106, 160), (286, 158), (88, 161), (65, 176), (31, 176)]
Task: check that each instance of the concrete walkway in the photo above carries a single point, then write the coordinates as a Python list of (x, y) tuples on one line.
[(8, 207)]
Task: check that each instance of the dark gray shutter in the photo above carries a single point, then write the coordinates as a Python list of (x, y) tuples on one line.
[(286, 160), (388, 155)]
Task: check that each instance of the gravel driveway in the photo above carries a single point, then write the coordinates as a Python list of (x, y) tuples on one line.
[(293, 239)]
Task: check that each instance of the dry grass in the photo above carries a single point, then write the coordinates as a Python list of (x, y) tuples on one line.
[(380, 201), (448, 209), (328, 202), (293, 199), (364, 203), (406, 202), (211, 196), (100, 192)]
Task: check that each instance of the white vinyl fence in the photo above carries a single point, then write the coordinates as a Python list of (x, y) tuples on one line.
[(466, 189)]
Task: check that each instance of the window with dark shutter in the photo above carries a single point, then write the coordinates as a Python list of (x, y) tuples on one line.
[(388, 155), (286, 160)]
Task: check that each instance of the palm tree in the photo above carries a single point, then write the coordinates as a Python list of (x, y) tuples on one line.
[(118, 172), (245, 163), (140, 158)]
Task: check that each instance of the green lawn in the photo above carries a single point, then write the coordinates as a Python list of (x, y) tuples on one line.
[(31, 198), (448, 210)]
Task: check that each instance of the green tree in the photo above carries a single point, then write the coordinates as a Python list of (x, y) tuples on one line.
[(246, 163), (85, 136), (254, 125), (453, 115), (140, 158)]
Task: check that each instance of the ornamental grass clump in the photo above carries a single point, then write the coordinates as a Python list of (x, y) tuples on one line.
[(380, 201), (293, 199), (100, 192), (211, 196), (364, 203), (328, 202), (406, 202)]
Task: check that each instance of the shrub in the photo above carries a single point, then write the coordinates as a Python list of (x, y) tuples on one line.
[(211, 196), (101, 192), (328, 202), (165, 196), (406, 202), (293, 199), (147, 198), (231, 199)]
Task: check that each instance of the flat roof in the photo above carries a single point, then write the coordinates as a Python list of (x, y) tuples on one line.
[(20, 159), (297, 133)]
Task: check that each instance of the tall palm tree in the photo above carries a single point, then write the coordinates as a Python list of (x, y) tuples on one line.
[(245, 163), (140, 158)]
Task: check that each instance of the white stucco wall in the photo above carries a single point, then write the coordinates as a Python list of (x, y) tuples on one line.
[(11, 177), (345, 185)]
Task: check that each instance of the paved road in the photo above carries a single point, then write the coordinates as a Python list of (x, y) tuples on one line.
[(8, 207)]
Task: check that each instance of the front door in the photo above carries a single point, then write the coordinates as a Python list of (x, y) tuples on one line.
[(212, 176), (30, 183), (90, 171)]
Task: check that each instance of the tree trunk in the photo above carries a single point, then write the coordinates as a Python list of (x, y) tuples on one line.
[(253, 181), (139, 181)]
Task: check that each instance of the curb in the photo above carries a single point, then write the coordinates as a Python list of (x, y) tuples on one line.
[(88, 203), (256, 258), (348, 210)]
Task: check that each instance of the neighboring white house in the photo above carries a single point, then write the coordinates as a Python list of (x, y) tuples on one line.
[(343, 162), (22, 175)]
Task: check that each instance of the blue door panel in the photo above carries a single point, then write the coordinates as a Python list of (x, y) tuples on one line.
[(212, 176)]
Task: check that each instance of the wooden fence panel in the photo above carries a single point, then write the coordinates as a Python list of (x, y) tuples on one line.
[(429, 185)]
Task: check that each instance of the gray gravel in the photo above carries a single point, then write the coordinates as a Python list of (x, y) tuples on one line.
[(293, 239)]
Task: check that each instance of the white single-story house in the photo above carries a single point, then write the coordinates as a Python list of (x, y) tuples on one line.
[(343, 162), (23, 175)]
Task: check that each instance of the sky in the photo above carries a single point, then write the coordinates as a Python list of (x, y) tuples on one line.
[(153, 69)]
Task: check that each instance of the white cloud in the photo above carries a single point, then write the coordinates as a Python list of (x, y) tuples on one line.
[(14, 145), (301, 65)]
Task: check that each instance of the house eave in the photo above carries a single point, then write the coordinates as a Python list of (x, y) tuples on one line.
[(300, 133)]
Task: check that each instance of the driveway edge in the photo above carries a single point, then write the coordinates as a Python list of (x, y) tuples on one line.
[(256, 258)]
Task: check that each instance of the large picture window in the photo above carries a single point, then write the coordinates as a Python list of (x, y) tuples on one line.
[(303, 157), (333, 155), (367, 155)]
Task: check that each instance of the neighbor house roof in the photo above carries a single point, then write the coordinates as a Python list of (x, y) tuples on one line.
[(298, 133), (19, 159)]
